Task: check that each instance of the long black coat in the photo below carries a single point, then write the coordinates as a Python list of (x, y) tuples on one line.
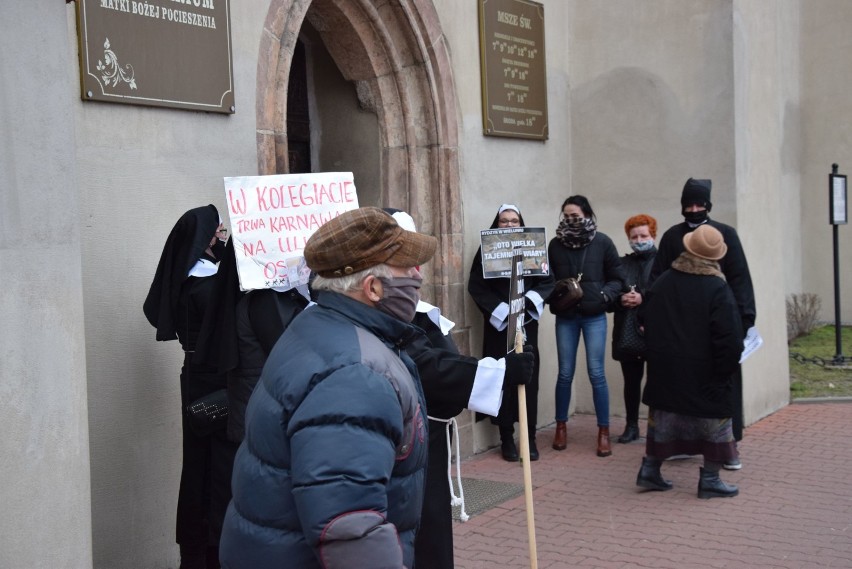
[(447, 379), (205, 487), (261, 316), (733, 265), (694, 341)]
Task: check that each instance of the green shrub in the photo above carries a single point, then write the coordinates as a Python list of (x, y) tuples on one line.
[(802, 312)]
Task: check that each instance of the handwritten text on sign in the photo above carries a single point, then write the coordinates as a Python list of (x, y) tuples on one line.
[(272, 218)]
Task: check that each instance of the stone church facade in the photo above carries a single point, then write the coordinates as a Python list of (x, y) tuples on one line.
[(641, 96)]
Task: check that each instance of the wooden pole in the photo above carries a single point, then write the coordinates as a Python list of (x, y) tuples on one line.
[(525, 457)]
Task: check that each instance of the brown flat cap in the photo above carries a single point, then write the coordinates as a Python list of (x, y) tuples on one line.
[(706, 242), (362, 238)]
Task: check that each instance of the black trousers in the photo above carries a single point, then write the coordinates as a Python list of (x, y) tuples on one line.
[(632, 370)]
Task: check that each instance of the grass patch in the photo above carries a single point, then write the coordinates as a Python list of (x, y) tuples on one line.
[(810, 379)]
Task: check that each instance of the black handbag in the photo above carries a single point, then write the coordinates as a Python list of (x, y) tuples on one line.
[(208, 414), (631, 341), (567, 293)]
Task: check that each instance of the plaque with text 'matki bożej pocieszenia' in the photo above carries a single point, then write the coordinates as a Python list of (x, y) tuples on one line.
[(514, 81), (161, 53)]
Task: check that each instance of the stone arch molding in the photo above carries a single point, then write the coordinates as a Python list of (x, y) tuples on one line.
[(397, 56)]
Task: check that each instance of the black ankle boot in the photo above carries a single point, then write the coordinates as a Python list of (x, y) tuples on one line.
[(650, 477), (507, 443), (533, 450), (509, 450), (631, 433), (711, 486)]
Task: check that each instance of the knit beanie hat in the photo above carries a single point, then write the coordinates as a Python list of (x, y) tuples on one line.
[(696, 192)]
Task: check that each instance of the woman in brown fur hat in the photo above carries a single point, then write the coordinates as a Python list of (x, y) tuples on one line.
[(694, 341)]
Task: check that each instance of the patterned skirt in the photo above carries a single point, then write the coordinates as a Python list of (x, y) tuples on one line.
[(670, 434)]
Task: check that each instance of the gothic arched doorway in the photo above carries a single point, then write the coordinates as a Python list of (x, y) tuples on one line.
[(397, 57)]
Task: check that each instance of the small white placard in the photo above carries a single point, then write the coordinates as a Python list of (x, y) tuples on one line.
[(751, 343)]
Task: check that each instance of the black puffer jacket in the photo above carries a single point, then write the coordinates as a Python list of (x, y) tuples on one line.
[(603, 277), (332, 468)]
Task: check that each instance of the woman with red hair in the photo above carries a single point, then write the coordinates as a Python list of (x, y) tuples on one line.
[(627, 339)]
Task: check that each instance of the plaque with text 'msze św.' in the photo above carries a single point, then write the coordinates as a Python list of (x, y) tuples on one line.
[(514, 83), (161, 53)]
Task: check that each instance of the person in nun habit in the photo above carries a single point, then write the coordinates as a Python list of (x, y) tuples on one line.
[(451, 382), (492, 299), (176, 305)]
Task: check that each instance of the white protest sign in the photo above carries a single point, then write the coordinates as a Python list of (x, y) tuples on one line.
[(272, 217)]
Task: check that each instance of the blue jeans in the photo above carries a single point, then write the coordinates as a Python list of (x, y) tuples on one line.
[(567, 340)]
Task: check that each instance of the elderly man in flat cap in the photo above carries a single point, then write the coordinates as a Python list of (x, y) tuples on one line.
[(332, 468), (695, 206)]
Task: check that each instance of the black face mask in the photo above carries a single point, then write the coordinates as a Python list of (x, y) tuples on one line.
[(218, 249), (695, 217), (401, 295)]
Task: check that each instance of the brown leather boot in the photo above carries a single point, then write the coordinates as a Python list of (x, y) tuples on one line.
[(560, 439), (604, 448)]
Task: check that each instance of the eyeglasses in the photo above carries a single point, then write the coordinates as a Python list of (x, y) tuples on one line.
[(574, 217)]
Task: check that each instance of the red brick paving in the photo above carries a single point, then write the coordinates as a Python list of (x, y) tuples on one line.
[(794, 509)]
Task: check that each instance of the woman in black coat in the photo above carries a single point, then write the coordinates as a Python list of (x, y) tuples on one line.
[(641, 231), (492, 299), (694, 341)]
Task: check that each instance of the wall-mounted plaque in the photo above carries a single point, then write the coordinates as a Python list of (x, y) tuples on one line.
[(514, 81), (162, 53)]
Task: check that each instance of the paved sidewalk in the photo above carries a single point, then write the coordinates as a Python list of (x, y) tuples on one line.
[(794, 509)]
